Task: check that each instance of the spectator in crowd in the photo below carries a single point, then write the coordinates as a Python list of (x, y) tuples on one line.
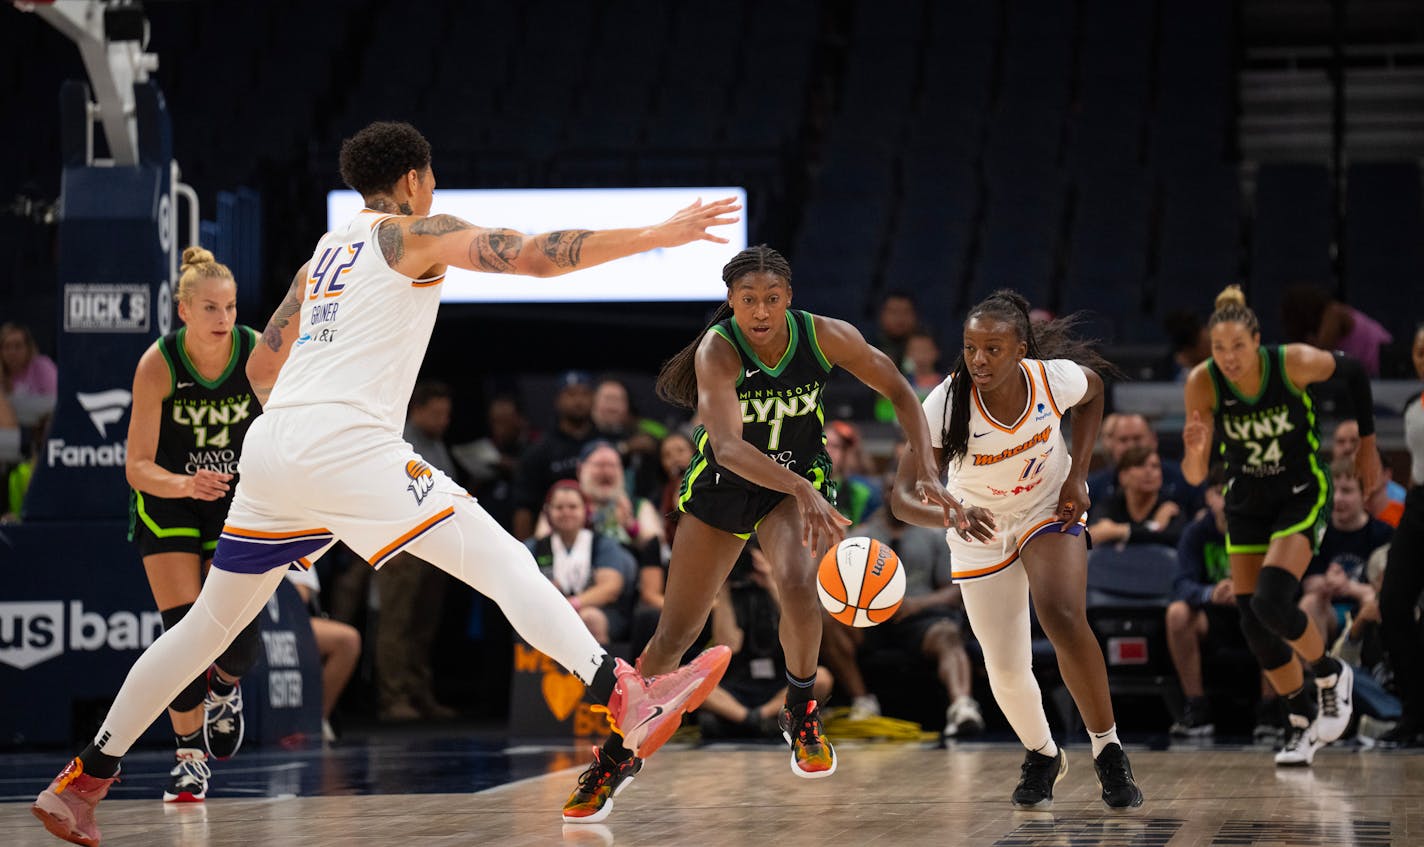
[(634, 523), (929, 623), (1311, 316), (1203, 606), (1379, 501), (616, 420), (1386, 501), (1191, 343), (555, 456), (898, 321), (13, 461), (1361, 644), (590, 569), (1400, 625), (1122, 431), (490, 462), (922, 354), (338, 644), (12, 448), (1333, 585), (27, 376), (746, 616), (674, 454), (857, 494), (412, 591), (1138, 513)]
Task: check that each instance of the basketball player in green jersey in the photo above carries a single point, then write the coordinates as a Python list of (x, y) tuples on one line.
[(1256, 401), (755, 378)]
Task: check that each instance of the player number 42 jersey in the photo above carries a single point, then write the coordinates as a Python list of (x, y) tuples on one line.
[(1011, 466)]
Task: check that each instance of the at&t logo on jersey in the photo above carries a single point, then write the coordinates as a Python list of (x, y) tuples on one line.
[(104, 408), (31, 633), (422, 480)]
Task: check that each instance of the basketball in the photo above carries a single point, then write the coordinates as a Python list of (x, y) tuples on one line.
[(860, 582)]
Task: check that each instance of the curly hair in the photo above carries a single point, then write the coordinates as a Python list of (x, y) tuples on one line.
[(373, 159)]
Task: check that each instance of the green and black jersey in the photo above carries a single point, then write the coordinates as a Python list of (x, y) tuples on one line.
[(782, 415), (202, 426), (1270, 443), (204, 421), (1271, 438)]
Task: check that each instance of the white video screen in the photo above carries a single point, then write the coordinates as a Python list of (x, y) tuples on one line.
[(692, 272)]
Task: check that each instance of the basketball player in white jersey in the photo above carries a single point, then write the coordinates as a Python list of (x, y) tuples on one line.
[(326, 460), (996, 427)]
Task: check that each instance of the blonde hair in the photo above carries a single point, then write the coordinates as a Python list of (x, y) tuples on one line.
[(1231, 308), (198, 263)]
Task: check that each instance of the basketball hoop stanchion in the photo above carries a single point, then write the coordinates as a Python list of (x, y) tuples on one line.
[(111, 38), (119, 243)]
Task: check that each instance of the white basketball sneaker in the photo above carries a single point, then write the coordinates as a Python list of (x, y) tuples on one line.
[(1301, 743), (1337, 695)]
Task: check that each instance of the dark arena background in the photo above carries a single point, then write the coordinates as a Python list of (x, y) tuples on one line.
[(1124, 160)]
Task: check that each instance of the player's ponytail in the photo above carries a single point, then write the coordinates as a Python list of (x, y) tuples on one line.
[(198, 263), (677, 381), (1231, 308)]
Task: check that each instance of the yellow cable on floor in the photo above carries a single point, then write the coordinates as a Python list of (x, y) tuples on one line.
[(839, 726)]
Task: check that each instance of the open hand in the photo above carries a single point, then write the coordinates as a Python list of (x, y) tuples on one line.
[(691, 223)]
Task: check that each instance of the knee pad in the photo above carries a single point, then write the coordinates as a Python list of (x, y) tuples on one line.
[(1266, 645), (241, 654), (1275, 603), (191, 697)]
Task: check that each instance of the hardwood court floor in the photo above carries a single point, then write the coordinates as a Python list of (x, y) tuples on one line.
[(881, 794)]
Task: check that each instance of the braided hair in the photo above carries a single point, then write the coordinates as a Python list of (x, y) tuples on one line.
[(677, 381), (1045, 340)]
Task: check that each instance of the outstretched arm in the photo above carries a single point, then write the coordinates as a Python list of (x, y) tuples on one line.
[(268, 357), (843, 345), (415, 245)]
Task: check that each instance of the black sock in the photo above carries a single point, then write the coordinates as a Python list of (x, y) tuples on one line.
[(799, 690), (1326, 665), (1302, 702), (613, 748), (218, 686), (189, 741), (99, 764), (600, 689)]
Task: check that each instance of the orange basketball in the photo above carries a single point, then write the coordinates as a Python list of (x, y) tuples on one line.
[(860, 582)]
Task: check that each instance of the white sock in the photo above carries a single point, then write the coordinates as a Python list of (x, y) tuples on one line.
[(1103, 739), (1047, 748)]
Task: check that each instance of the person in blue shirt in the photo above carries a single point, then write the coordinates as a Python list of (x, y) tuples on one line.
[(1202, 605)]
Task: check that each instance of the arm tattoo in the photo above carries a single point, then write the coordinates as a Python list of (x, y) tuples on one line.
[(565, 246), (496, 250), (272, 335), (392, 241), (439, 225)]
